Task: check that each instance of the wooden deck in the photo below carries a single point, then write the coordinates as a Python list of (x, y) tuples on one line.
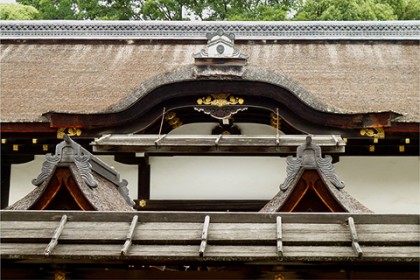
[(198, 237)]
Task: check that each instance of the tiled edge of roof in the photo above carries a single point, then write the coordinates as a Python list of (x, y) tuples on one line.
[(181, 30)]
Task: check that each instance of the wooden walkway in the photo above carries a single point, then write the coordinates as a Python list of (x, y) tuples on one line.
[(161, 237)]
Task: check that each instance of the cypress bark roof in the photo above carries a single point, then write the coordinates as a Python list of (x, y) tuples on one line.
[(353, 74), (74, 178), (310, 174)]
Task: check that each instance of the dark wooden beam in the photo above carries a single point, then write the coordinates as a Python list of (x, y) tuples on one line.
[(5, 183), (199, 205)]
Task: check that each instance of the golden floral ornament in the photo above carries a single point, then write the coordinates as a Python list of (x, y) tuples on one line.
[(220, 100), (71, 131), (376, 132)]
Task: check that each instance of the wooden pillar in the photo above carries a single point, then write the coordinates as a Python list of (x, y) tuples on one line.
[(6, 168), (143, 180)]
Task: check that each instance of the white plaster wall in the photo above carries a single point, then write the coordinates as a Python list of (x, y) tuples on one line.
[(383, 184), (22, 175)]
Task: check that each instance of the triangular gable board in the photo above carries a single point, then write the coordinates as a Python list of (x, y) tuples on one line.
[(311, 185)]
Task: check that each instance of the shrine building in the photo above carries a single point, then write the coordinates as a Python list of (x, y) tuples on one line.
[(216, 150)]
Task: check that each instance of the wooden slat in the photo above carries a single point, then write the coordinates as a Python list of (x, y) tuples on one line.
[(354, 238), (279, 234), (204, 235), (57, 233), (130, 235)]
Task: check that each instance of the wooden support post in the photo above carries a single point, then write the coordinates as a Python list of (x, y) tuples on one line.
[(130, 236), (159, 139), (143, 184), (142, 162), (57, 233), (354, 239), (279, 235), (216, 142), (204, 235), (6, 168)]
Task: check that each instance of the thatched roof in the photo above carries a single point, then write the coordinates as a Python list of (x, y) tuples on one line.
[(91, 183), (64, 67), (307, 173)]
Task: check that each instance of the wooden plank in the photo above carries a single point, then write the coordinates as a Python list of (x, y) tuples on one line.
[(372, 233), (164, 253), (130, 236), (217, 217), (204, 235)]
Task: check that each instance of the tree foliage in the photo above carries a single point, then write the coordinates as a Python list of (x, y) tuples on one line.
[(358, 10), (274, 10), (12, 11)]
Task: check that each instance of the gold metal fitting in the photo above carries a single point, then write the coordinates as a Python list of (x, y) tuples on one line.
[(45, 148), (72, 131), (371, 148), (142, 203), (15, 147), (3, 140), (407, 140), (34, 141), (376, 132), (402, 148)]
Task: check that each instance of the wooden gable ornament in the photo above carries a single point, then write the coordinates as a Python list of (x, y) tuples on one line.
[(220, 58), (311, 185), (74, 179)]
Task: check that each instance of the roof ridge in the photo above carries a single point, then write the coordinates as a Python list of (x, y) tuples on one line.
[(196, 30)]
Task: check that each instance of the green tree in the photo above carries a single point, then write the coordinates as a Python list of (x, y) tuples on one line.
[(273, 10), (13, 11), (359, 10)]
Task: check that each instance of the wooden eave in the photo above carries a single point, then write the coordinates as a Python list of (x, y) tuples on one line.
[(213, 143), (147, 111), (199, 237)]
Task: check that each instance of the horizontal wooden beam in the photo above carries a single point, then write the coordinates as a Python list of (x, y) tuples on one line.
[(214, 143), (199, 205)]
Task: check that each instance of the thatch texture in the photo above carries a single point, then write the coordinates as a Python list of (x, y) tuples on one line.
[(95, 76)]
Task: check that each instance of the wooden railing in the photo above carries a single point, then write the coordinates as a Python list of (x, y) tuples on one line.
[(161, 237)]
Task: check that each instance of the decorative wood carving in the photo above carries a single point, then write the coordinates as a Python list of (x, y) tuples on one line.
[(309, 156), (65, 152)]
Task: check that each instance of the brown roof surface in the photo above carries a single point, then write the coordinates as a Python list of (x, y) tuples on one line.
[(99, 183), (94, 76)]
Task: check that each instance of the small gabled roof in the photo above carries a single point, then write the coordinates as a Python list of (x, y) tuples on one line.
[(312, 185), (74, 179)]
